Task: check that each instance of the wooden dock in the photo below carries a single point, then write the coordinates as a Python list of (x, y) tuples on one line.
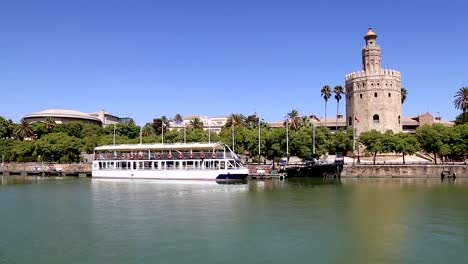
[(267, 176)]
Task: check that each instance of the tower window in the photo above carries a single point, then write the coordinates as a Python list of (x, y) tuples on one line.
[(389, 95), (378, 84), (375, 94), (350, 121), (376, 119), (371, 42), (399, 120), (360, 95)]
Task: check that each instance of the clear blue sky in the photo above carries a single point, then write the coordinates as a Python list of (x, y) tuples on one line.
[(145, 59)]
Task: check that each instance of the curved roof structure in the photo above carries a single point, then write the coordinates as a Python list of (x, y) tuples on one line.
[(165, 146), (62, 113)]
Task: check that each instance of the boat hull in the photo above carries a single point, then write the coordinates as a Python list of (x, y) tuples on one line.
[(218, 175), (315, 171)]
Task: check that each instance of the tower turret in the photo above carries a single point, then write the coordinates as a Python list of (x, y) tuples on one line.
[(371, 53)]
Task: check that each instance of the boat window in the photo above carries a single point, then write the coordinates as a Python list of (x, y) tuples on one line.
[(230, 164), (148, 165), (196, 164), (100, 165), (134, 165), (123, 165), (190, 165), (163, 164), (170, 165), (140, 165), (222, 165), (155, 166), (216, 165)]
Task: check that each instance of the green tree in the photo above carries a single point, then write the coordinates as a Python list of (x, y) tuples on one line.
[(58, 147), (406, 144), (24, 130), (339, 91), (326, 94), (178, 119), (461, 99), (404, 95), (462, 119), (373, 141), (235, 120), (294, 120), (432, 139), (148, 130), (341, 141), (196, 123), (49, 124), (7, 128)]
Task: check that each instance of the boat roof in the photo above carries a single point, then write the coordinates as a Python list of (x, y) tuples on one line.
[(163, 146)]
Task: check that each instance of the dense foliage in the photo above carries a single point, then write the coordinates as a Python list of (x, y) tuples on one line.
[(50, 142), (442, 143)]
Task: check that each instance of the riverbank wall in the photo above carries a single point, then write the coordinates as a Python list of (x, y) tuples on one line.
[(349, 171), (403, 171)]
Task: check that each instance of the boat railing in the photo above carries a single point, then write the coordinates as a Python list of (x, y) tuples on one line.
[(163, 169), (165, 156)]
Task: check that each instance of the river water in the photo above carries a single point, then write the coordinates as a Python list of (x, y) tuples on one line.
[(291, 221)]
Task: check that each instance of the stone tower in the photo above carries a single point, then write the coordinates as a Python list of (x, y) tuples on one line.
[(373, 95)]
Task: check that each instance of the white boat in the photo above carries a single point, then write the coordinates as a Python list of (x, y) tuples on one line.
[(178, 161)]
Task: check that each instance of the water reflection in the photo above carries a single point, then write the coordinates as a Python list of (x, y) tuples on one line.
[(11, 180)]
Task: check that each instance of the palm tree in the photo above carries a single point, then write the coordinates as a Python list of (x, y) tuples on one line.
[(252, 121), (164, 122), (294, 120), (196, 123), (49, 124), (404, 94), (148, 130), (236, 120), (178, 119), (461, 99), (24, 130), (338, 90), (233, 121), (326, 94)]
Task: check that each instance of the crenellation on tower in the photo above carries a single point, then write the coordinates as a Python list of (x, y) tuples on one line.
[(373, 94)]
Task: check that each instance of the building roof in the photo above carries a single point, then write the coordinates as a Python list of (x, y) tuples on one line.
[(64, 113)]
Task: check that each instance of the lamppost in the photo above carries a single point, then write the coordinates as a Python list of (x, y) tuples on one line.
[(287, 138), (232, 131), (259, 140), (313, 140)]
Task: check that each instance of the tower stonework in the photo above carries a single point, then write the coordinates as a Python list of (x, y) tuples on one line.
[(373, 95)]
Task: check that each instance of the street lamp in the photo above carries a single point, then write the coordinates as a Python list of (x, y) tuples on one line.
[(287, 138), (259, 140), (313, 140)]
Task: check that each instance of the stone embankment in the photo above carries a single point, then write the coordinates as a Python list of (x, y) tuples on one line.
[(403, 171), (54, 169)]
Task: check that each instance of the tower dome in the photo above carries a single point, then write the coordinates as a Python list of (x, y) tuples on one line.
[(370, 34)]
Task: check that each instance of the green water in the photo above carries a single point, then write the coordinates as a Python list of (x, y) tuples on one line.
[(115, 221)]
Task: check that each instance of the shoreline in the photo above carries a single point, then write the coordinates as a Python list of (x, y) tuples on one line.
[(349, 171)]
